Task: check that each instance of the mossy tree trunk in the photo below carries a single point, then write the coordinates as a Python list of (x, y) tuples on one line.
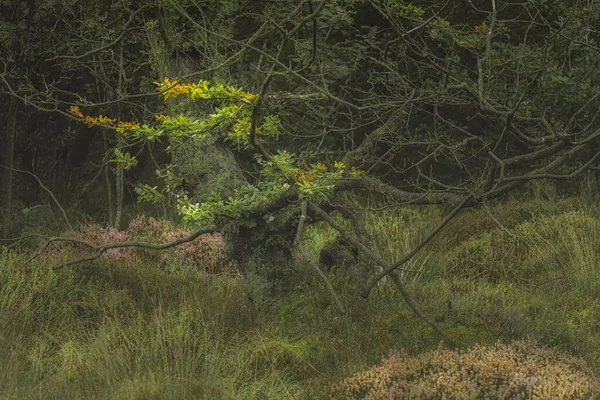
[(208, 167), (264, 255)]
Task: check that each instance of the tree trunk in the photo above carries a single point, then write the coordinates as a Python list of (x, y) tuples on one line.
[(264, 257), (119, 192), (119, 174), (7, 174), (263, 252), (111, 213)]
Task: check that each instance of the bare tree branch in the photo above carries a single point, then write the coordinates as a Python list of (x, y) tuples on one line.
[(106, 46), (39, 181), (412, 304)]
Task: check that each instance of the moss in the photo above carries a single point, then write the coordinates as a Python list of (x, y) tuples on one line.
[(207, 168)]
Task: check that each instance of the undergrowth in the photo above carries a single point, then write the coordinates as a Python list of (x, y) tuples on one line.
[(170, 326)]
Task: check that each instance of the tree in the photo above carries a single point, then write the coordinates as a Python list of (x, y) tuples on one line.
[(416, 103)]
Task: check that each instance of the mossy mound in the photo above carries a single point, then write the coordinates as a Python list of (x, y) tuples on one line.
[(535, 251)]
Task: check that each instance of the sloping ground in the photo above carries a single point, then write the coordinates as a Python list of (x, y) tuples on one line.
[(536, 251), (147, 326)]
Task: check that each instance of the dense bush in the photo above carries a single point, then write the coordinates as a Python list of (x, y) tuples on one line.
[(521, 370)]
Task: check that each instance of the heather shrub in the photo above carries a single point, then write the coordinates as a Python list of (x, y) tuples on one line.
[(92, 233), (206, 251), (521, 370)]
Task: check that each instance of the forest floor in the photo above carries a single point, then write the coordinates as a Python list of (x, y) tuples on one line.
[(528, 268)]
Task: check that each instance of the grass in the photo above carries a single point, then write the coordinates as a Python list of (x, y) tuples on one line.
[(138, 330), (71, 336)]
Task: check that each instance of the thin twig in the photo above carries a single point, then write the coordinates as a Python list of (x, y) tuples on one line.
[(336, 298), (495, 220), (106, 46), (39, 181)]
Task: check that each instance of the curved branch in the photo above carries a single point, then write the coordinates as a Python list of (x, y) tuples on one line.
[(106, 46), (366, 289), (336, 298), (412, 304), (403, 196), (39, 181), (558, 177), (535, 155), (101, 249)]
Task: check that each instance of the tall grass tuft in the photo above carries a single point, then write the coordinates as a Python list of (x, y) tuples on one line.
[(129, 331)]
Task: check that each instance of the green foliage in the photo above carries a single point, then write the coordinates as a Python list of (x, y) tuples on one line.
[(234, 113), (280, 168), (277, 174), (125, 160), (149, 194), (236, 207)]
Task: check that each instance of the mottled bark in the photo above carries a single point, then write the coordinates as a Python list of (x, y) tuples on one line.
[(264, 257)]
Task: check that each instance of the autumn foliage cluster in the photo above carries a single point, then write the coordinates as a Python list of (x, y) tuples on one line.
[(521, 370)]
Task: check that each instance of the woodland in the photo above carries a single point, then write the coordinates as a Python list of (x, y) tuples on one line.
[(299, 199)]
